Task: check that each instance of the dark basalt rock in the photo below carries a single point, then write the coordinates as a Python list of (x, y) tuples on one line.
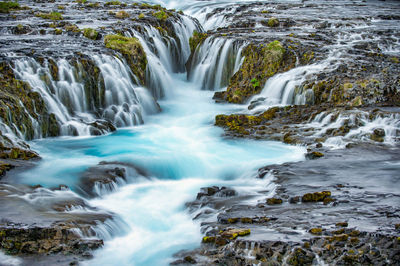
[(105, 177)]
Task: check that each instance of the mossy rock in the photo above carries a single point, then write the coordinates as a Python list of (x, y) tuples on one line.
[(161, 15), (90, 33), (274, 201), (133, 52), (316, 231), (342, 224), (122, 14), (273, 22), (51, 15), (19, 104), (114, 3), (260, 63), (197, 39), (314, 155), (316, 196), (300, 257), (17, 153), (4, 167), (7, 6), (208, 239)]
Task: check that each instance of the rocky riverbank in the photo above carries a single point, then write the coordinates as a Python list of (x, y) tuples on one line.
[(341, 209)]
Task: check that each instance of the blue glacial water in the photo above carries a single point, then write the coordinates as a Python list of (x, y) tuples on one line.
[(182, 151)]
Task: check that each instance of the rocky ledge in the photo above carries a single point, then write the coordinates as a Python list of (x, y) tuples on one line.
[(341, 209), (41, 224)]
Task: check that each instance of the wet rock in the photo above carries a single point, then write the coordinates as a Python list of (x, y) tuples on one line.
[(301, 257), (314, 155), (105, 177), (342, 224), (378, 135), (274, 201), (294, 200), (216, 191), (316, 196), (316, 231)]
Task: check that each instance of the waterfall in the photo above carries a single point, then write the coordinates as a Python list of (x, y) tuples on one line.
[(280, 89), (81, 101), (165, 54), (214, 63)]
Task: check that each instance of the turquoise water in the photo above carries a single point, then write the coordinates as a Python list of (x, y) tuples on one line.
[(182, 151)]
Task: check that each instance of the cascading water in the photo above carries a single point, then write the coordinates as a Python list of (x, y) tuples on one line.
[(214, 62), (76, 107), (179, 148), (280, 89), (165, 54)]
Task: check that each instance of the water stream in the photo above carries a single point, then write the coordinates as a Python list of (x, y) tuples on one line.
[(182, 151), (179, 149)]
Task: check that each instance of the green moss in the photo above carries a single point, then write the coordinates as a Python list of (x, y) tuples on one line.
[(208, 239), (246, 220), (197, 39), (90, 33), (51, 15), (244, 232), (259, 64), (72, 28), (316, 196), (113, 3), (255, 83), (232, 220), (274, 201), (141, 16), (58, 31), (316, 231), (161, 15), (132, 51), (273, 22), (126, 45), (395, 60), (7, 6), (122, 14)]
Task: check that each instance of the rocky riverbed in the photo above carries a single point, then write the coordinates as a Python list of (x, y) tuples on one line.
[(318, 74), (339, 209)]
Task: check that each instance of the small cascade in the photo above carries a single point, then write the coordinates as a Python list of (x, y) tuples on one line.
[(281, 88), (356, 126), (81, 100), (214, 63), (165, 54)]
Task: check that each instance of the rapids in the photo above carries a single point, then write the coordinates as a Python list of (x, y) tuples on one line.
[(181, 151)]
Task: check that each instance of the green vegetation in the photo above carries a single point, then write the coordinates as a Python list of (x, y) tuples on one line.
[(141, 16), (113, 3), (161, 15), (72, 28), (90, 33), (125, 45), (273, 22), (122, 14), (51, 15), (132, 51), (197, 39), (255, 82), (7, 6), (260, 63)]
